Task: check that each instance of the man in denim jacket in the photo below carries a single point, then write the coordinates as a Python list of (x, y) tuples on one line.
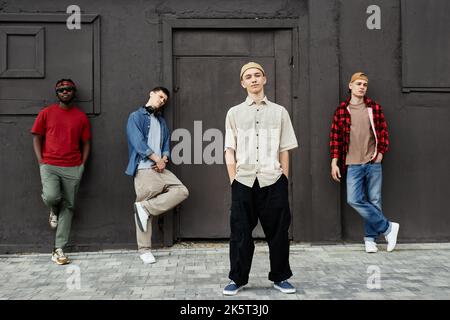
[(157, 189)]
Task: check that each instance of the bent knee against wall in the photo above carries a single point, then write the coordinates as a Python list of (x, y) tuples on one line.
[(51, 198)]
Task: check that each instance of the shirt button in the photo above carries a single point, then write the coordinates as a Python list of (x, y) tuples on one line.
[(257, 122)]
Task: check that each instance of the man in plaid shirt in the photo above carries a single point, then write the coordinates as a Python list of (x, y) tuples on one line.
[(358, 140)]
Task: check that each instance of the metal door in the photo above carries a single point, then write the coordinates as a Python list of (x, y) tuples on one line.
[(207, 63)]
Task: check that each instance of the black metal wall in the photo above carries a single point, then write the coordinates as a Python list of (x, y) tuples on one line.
[(333, 42)]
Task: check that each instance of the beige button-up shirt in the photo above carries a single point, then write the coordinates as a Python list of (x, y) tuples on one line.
[(257, 134)]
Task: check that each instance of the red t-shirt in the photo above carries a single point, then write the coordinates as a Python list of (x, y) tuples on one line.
[(62, 131)]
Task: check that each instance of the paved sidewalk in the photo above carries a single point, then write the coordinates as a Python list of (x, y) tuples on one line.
[(199, 271)]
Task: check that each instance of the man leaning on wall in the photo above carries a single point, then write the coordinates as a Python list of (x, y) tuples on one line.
[(358, 141), (58, 132), (157, 189)]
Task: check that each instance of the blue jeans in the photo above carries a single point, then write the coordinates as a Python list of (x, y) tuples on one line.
[(364, 195)]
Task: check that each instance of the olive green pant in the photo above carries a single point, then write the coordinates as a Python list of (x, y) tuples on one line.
[(59, 189)]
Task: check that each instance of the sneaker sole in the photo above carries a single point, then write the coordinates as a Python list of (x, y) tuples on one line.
[(137, 219), (232, 293), (148, 262), (60, 263), (284, 290)]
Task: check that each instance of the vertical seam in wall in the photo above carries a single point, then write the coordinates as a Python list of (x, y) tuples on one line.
[(339, 205)]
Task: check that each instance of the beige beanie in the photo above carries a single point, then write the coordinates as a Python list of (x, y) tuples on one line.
[(250, 65)]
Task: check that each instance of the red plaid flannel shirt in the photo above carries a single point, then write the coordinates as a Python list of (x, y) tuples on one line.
[(340, 130)]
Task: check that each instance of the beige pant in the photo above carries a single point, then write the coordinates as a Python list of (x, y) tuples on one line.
[(158, 192)]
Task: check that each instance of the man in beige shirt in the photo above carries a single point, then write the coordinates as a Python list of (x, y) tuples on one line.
[(259, 135)]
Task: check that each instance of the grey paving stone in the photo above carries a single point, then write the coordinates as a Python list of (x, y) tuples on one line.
[(414, 271)]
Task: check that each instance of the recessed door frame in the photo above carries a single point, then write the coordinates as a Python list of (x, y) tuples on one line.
[(169, 25)]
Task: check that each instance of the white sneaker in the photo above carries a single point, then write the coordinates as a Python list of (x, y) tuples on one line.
[(391, 237), (53, 219), (148, 258), (371, 246), (141, 216), (59, 257)]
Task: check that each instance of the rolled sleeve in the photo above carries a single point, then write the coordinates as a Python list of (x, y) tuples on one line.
[(148, 152), (288, 140), (230, 132)]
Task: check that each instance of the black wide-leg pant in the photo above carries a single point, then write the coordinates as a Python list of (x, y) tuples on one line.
[(271, 206)]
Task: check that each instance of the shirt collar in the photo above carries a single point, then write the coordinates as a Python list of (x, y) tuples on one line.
[(250, 101), (142, 110)]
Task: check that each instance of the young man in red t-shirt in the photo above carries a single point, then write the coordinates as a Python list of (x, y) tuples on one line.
[(59, 131)]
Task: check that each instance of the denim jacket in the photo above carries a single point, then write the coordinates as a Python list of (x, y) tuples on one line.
[(138, 126)]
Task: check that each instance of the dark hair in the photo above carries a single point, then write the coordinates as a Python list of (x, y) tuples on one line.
[(165, 90), (68, 80)]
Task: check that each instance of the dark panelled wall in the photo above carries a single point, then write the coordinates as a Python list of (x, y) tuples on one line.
[(415, 171), (333, 43)]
